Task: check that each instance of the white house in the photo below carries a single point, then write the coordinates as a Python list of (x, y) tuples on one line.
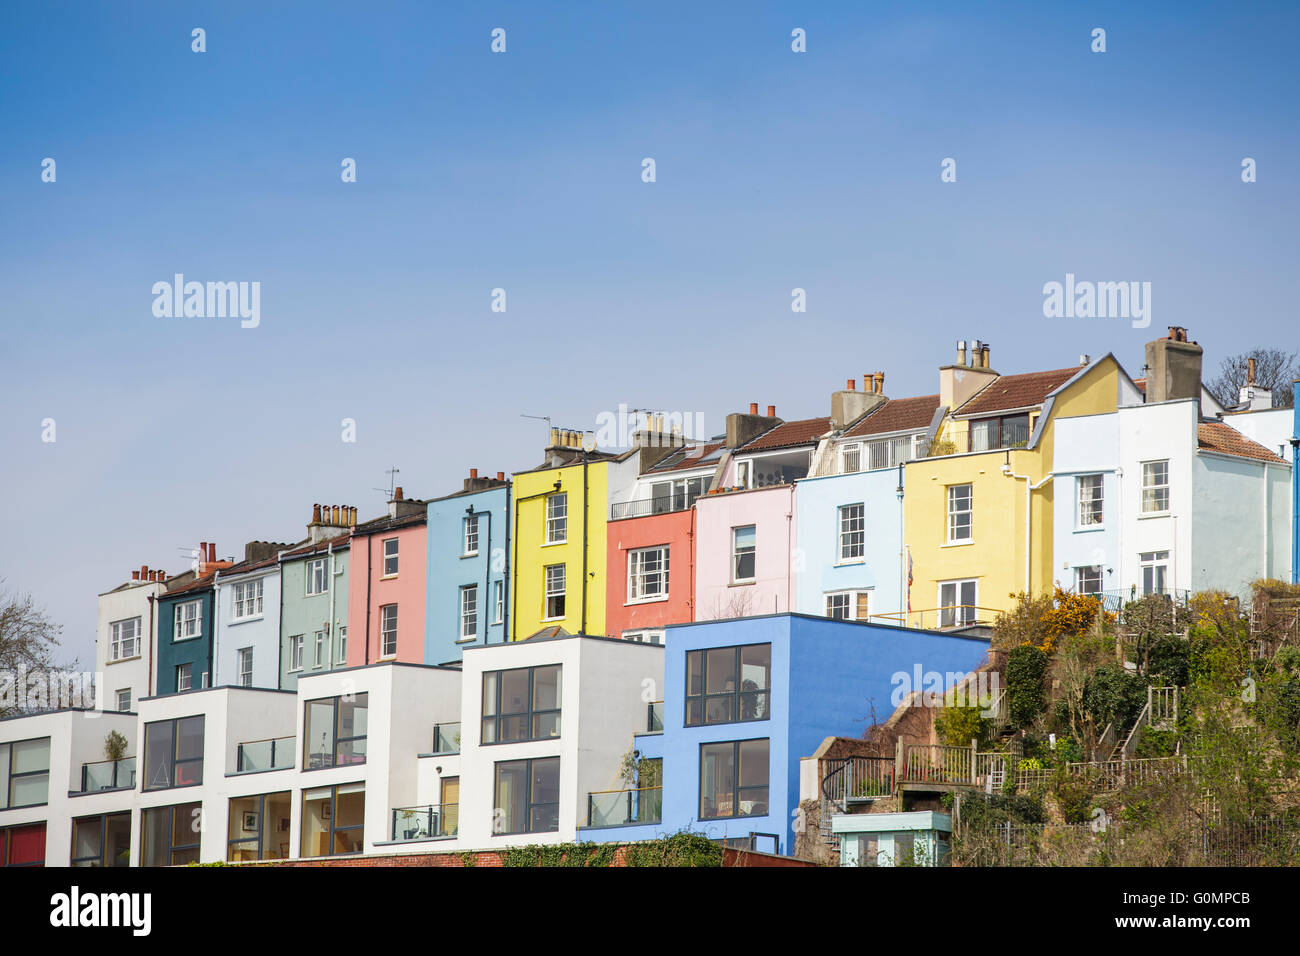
[(126, 639)]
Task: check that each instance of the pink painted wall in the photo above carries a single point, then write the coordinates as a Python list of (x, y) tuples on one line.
[(774, 568), (406, 590)]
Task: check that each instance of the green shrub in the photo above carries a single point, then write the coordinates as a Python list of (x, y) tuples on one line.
[(1026, 666), (1114, 696)]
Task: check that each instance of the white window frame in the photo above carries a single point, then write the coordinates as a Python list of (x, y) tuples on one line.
[(647, 635), (960, 615), (550, 591), (498, 601), (245, 656), (127, 708), (320, 654), (185, 622), (185, 671), (469, 536), (851, 599), (1087, 502), (391, 556), (735, 555), (385, 631), (247, 600), (1080, 571), (638, 576), (318, 579), (954, 513), (853, 449), (1155, 488), (745, 473), (1154, 561), (469, 612), (295, 652), (117, 641), (848, 536), (343, 644), (557, 517)]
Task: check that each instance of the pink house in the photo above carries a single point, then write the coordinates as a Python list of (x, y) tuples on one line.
[(744, 561), (386, 585)]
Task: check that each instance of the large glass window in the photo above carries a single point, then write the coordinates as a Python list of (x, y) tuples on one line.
[(170, 836), (1090, 500), (744, 542), (103, 840), (733, 779), (25, 773), (1011, 431), (853, 535), (333, 820), (173, 753), (557, 517), (647, 574), (1155, 487), (528, 796), (521, 704), (23, 845), (960, 513), (728, 684), (335, 732), (258, 828)]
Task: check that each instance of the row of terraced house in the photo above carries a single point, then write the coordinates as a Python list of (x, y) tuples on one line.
[(619, 644)]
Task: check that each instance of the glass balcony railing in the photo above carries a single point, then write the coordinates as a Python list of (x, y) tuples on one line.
[(108, 775), (613, 808), (429, 822), (446, 738), (256, 756), (654, 717)]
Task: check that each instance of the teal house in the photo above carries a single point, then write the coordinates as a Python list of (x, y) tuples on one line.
[(185, 629)]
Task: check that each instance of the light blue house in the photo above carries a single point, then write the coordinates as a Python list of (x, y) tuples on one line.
[(468, 573), (745, 699)]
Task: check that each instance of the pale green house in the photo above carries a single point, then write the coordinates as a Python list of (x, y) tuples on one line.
[(919, 838), (314, 614)]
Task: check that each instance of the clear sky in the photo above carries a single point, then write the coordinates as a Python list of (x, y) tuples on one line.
[(522, 171)]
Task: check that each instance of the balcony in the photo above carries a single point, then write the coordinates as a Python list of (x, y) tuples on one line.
[(429, 822), (259, 756), (108, 775), (660, 505), (446, 738), (615, 808), (654, 717)]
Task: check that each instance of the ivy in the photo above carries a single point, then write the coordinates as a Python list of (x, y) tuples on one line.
[(680, 849), (1026, 665)]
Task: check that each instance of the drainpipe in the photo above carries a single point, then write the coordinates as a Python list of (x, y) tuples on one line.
[(518, 501), (487, 567), (149, 682), (369, 539), (329, 565), (505, 577), (902, 557), (212, 644), (1006, 470)]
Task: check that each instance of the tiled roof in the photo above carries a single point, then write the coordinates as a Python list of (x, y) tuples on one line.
[(694, 456), (341, 541), (198, 584), (243, 567), (788, 434), (1216, 436), (1141, 383), (1018, 391), (897, 414), (380, 525)]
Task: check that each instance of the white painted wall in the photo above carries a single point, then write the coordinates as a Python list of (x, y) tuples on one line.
[(262, 633), (1272, 428), (1086, 445), (121, 604)]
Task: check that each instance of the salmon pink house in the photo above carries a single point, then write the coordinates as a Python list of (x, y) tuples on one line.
[(387, 585)]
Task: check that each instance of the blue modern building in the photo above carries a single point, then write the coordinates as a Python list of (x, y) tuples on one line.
[(468, 569), (745, 699)]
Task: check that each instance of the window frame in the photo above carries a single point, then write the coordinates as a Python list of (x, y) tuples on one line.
[(529, 803), (296, 652), (317, 577), (263, 834), (7, 795), (186, 670), (762, 696), (245, 654), (637, 576), (846, 537), (1155, 488), (469, 535), (1095, 502), (1153, 561), (358, 787), (530, 716), (468, 612), (359, 701), (954, 513), (116, 641), (98, 859), (1080, 571), (853, 599), (854, 448), (127, 708), (246, 600), (737, 555), (172, 762), (548, 593), (736, 788), (393, 557), (557, 520), (385, 631), (498, 601), (181, 622), (962, 615), (171, 810)]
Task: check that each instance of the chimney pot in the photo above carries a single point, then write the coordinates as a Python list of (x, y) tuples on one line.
[(203, 551), (212, 551), (315, 514), (850, 384), (135, 575), (1250, 371), (753, 408), (879, 380), (501, 476), (771, 411), (397, 493), (473, 472), (961, 352), (144, 569)]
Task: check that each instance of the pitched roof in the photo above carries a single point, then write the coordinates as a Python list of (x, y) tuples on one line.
[(897, 414), (1017, 391), (692, 456), (339, 541), (1216, 436), (380, 525), (788, 434), (198, 584)]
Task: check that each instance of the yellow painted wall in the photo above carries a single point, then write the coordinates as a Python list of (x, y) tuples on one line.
[(996, 555), (531, 554)]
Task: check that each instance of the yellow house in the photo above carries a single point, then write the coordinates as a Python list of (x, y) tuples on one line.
[(558, 538), (978, 511)]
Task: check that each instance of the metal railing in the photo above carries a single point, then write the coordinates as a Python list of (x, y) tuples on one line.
[(446, 738), (426, 822), (641, 507), (612, 808), (954, 615), (854, 779), (108, 775), (937, 763), (654, 717), (273, 753)]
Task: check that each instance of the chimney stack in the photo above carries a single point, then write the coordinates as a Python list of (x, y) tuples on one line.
[(1173, 367), (742, 427), (959, 382), (849, 405)]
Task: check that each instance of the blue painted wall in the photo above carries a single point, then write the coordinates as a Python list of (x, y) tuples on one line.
[(196, 651), (448, 571), (818, 501), (826, 678)]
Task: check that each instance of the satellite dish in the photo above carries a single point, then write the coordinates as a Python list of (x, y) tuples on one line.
[(589, 441)]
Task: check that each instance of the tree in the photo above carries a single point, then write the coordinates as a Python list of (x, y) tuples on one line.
[(27, 641), (1274, 370)]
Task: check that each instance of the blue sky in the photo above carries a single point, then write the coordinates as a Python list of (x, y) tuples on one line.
[(522, 171)]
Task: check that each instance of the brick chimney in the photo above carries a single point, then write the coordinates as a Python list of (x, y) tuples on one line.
[(1255, 397), (959, 382), (743, 428), (1173, 367), (401, 506), (475, 482), (330, 521), (208, 559), (848, 405)]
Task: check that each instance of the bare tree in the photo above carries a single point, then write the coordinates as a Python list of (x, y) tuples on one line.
[(1274, 370), (27, 641)]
